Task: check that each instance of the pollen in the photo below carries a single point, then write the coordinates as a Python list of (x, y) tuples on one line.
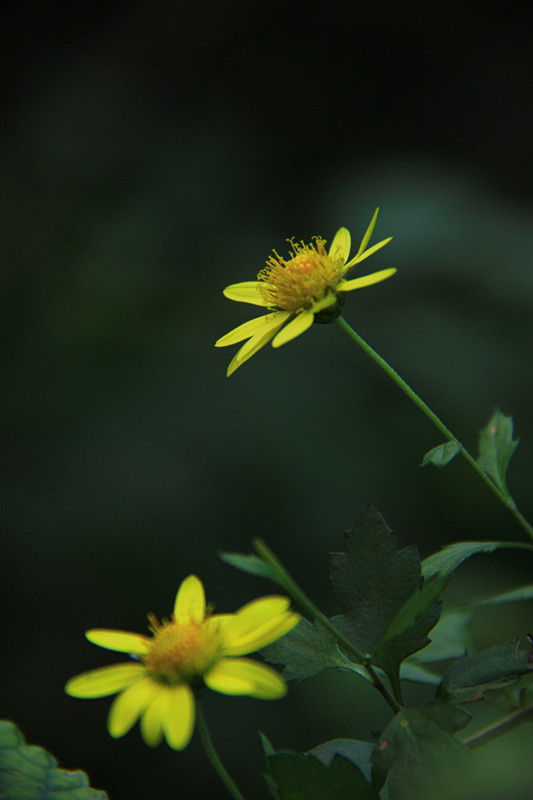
[(181, 651), (297, 283)]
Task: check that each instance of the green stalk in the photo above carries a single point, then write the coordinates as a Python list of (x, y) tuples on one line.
[(213, 756), (508, 502), (499, 727)]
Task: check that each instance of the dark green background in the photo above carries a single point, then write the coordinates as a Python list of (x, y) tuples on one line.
[(151, 154)]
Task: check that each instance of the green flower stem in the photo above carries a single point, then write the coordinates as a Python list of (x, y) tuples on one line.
[(213, 756), (298, 595), (507, 501), (499, 727)]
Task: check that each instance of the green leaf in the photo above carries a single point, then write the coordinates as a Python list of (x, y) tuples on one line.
[(417, 604), (450, 638), (442, 454), (471, 676), (249, 563), (419, 753), (307, 650), (359, 753), (450, 557), (30, 773), (496, 447), (300, 777), (523, 593), (372, 581), (415, 673)]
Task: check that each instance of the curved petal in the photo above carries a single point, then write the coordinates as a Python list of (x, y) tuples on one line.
[(190, 601), (369, 231), (261, 338), (366, 280), (121, 641), (151, 720), (361, 256), (105, 681), (246, 292), (252, 621), (237, 676), (129, 705), (261, 636), (178, 716), (244, 331), (294, 328), (340, 246)]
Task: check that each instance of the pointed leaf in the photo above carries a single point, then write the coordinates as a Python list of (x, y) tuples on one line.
[(496, 447), (420, 754), (359, 753), (372, 581), (307, 650), (441, 455), (523, 593), (299, 777), (248, 563), (450, 557), (449, 639), (30, 773), (471, 676)]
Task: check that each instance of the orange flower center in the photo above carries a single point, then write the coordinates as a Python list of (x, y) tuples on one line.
[(302, 280), (181, 651)]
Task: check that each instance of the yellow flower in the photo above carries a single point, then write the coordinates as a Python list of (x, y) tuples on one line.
[(307, 287), (192, 649)]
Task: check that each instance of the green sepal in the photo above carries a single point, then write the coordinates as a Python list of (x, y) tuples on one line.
[(496, 447), (307, 650), (31, 773), (469, 678), (442, 454), (418, 752), (372, 582)]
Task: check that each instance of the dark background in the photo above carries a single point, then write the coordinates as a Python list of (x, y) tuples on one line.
[(152, 153)]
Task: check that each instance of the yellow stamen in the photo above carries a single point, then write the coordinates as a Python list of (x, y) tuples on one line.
[(299, 282), (181, 651)]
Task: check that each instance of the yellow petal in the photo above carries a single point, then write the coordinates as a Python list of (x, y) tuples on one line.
[(369, 231), (104, 681), (129, 705), (340, 246), (252, 618), (190, 601), (237, 676), (366, 280), (261, 636), (294, 328), (361, 256), (244, 331), (178, 716), (151, 719), (121, 641), (261, 338), (246, 292)]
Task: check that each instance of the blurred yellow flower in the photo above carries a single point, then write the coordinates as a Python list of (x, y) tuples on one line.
[(193, 649), (307, 287)]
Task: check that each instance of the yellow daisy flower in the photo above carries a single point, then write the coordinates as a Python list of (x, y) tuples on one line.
[(191, 650), (307, 287)]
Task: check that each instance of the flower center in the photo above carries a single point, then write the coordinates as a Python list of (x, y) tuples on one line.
[(299, 282), (181, 651)]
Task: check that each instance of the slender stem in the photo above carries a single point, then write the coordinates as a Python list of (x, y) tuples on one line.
[(298, 595), (499, 727), (213, 756), (437, 422)]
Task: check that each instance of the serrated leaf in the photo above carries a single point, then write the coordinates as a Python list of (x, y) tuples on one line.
[(450, 638), (307, 650), (523, 593), (299, 777), (445, 561), (471, 676), (496, 447), (372, 581), (249, 563), (359, 753), (442, 454), (419, 752), (417, 604), (31, 773)]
